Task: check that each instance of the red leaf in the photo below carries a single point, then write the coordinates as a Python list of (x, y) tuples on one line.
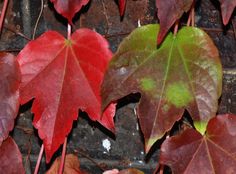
[(10, 158), (122, 4), (168, 12), (72, 165), (9, 96), (68, 8), (63, 76), (227, 8), (214, 152)]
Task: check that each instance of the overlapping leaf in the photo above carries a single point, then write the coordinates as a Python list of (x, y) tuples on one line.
[(213, 152), (227, 8), (168, 12), (184, 73), (10, 158), (68, 8), (122, 4), (9, 96), (72, 165), (64, 76)]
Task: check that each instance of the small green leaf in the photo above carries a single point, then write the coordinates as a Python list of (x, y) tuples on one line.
[(200, 126)]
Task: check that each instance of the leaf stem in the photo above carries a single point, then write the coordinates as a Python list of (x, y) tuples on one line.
[(176, 27), (68, 31), (37, 22), (63, 157), (191, 17), (39, 160), (3, 12)]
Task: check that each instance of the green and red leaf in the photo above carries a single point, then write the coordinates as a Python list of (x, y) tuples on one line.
[(227, 8), (168, 12), (184, 73), (64, 76), (10, 158), (214, 152), (9, 96), (68, 8)]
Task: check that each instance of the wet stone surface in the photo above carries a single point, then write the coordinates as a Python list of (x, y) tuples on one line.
[(88, 139)]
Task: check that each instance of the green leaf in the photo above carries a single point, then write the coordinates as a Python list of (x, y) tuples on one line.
[(184, 73)]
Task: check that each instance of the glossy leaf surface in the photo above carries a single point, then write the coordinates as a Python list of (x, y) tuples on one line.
[(227, 8), (64, 76), (9, 96), (68, 8), (71, 166), (122, 4), (168, 12), (191, 153), (10, 158), (184, 73)]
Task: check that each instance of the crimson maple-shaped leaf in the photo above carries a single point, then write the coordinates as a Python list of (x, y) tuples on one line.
[(227, 8), (9, 96), (68, 8), (214, 152), (122, 4), (184, 73), (168, 12), (64, 75), (10, 158)]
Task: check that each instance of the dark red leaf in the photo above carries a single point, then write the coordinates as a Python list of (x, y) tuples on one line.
[(71, 166), (9, 96), (168, 12), (68, 8), (10, 158), (64, 76), (122, 4), (214, 152), (227, 8)]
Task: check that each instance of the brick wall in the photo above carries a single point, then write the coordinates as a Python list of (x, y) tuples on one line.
[(126, 149)]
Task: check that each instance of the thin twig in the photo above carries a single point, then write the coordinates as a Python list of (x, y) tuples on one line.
[(62, 162), (90, 159), (193, 17), (39, 160), (176, 27), (37, 22), (105, 14), (3, 13), (17, 32)]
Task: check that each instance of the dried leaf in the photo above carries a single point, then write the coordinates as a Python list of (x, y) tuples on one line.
[(71, 166), (9, 96), (130, 171), (168, 12), (68, 8), (184, 73), (64, 76), (10, 158), (214, 152)]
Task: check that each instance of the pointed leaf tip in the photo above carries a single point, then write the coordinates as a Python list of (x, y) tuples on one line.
[(68, 8)]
